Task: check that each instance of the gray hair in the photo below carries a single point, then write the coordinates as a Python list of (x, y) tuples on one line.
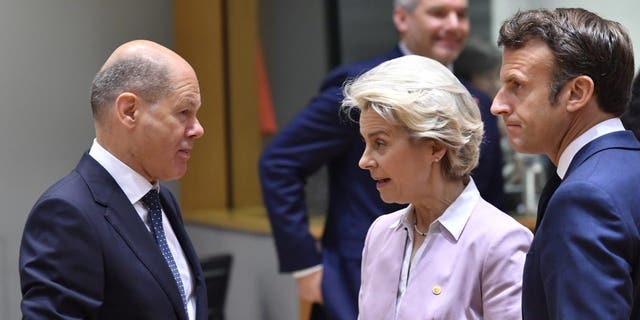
[(424, 97), (408, 5), (142, 76)]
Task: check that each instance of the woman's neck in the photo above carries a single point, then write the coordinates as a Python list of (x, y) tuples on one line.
[(442, 196)]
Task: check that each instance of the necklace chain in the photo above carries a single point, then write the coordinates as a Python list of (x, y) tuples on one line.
[(415, 226)]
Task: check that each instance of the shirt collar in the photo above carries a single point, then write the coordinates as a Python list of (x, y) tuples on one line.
[(600, 129), (134, 185), (403, 48), (454, 218)]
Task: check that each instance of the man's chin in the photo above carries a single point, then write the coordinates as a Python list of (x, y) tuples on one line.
[(446, 56), (175, 175)]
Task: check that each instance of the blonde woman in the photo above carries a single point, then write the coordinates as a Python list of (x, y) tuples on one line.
[(449, 254)]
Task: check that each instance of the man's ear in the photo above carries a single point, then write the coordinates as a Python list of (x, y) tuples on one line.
[(400, 20), (127, 107), (580, 92)]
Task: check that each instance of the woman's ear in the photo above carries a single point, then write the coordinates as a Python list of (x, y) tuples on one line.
[(581, 90), (127, 105), (438, 150)]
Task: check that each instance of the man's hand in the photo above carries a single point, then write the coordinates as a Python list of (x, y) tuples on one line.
[(310, 287)]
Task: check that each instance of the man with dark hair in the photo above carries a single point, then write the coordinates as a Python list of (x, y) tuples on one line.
[(566, 80), (319, 136), (107, 241)]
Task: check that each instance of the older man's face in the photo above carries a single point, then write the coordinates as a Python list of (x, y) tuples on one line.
[(437, 29), (168, 129)]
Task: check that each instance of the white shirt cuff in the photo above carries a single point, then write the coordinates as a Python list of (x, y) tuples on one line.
[(305, 272)]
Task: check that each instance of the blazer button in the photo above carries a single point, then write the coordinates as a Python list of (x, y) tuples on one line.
[(436, 290)]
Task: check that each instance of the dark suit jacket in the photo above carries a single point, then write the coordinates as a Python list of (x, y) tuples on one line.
[(584, 262), (86, 254), (320, 135)]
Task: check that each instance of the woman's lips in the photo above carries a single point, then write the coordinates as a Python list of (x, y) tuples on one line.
[(382, 182)]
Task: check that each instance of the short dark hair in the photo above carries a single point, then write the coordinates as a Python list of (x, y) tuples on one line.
[(582, 43), (146, 78)]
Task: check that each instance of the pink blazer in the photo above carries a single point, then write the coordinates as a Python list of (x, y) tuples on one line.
[(476, 276)]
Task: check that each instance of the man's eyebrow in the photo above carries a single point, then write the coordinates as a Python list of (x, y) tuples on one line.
[(189, 101)]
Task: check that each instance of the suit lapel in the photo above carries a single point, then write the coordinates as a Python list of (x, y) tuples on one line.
[(618, 139), (125, 220)]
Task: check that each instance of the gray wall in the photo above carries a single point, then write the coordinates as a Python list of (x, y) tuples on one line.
[(623, 11), (294, 43), (294, 40)]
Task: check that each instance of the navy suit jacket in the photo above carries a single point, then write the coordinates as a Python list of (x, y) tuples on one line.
[(584, 260), (320, 135), (86, 254)]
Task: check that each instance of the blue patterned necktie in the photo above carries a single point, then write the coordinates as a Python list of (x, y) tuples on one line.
[(152, 201)]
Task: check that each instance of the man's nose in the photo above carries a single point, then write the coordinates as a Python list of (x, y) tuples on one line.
[(499, 106)]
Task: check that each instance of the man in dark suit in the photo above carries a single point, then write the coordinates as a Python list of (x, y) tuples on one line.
[(107, 241), (566, 79), (320, 136)]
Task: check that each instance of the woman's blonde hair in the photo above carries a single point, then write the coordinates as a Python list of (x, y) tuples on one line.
[(424, 97)]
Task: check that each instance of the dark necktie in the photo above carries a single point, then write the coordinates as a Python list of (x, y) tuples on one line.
[(152, 201), (545, 195)]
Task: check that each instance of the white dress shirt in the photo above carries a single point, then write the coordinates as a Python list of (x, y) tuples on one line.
[(600, 129), (135, 186)]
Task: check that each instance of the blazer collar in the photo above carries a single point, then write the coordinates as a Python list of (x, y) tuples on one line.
[(614, 140), (454, 218), (598, 130), (123, 218)]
